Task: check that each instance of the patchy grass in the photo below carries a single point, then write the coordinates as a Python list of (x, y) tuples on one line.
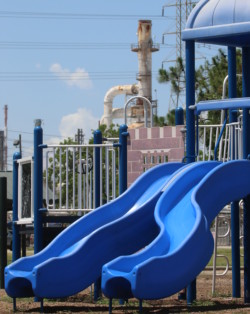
[(221, 262)]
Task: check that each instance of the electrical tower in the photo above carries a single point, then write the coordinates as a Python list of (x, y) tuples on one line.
[(79, 137), (180, 9)]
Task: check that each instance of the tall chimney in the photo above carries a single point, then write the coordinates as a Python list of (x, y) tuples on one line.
[(144, 49)]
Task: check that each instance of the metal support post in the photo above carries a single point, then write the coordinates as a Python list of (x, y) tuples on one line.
[(97, 195), (123, 173), (246, 152), (110, 306), (38, 186), (3, 229), (190, 123), (16, 247), (235, 214), (190, 100)]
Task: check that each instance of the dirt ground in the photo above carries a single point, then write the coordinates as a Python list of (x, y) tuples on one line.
[(82, 303)]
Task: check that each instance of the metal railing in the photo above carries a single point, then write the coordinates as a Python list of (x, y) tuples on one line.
[(70, 176), (230, 145)]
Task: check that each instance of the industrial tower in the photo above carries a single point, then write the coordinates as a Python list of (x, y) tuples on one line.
[(180, 10)]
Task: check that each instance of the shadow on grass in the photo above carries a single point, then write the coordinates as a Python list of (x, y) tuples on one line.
[(148, 309)]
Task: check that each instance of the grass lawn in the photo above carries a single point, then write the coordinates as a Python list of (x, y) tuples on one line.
[(29, 251), (220, 261)]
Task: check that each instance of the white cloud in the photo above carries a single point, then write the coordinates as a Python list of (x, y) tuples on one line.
[(82, 119), (79, 78)]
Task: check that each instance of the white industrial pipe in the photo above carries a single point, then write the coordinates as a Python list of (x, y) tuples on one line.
[(109, 97)]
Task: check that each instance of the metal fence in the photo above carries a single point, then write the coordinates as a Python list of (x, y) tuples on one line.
[(228, 141), (70, 172), (230, 145)]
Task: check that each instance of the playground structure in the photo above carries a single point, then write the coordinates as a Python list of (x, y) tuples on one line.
[(160, 194)]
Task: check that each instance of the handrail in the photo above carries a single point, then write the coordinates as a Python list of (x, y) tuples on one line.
[(227, 265), (145, 110)]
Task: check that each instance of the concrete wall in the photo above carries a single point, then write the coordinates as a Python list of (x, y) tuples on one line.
[(150, 146)]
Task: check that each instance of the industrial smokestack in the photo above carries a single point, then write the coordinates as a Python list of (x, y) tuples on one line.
[(144, 49)]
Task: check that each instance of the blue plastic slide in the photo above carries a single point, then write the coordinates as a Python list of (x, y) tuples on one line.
[(74, 259), (184, 243)]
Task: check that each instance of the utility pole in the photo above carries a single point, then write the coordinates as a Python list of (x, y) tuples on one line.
[(79, 137), (18, 143)]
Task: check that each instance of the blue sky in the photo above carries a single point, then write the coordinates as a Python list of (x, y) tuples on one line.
[(36, 82)]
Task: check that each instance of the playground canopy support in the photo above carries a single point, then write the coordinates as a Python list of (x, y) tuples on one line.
[(224, 23)]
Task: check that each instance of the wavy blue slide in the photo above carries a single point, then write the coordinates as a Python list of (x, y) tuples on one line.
[(184, 243), (74, 259)]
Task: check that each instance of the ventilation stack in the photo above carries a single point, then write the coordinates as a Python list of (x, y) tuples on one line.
[(144, 49)]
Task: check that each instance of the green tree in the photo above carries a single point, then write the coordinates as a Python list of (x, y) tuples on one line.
[(209, 79), (111, 132), (175, 75), (160, 121), (67, 169), (54, 171)]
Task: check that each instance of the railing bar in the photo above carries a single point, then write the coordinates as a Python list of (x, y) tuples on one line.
[(225, 144), (91, 188), (107, 172), (84, 189), (67, 178), (47, 179), (80, 178), (54, 184), (204, 143), (87, 177), (113, 174), (60, 177), (79, 146), (94, 172), (101, 169), (210, 143), (74, 177), (220, 146)]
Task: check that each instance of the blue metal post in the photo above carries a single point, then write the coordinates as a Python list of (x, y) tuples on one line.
[(97, 196), (190, 123), (38, 186), (235, 233), (97, 140), (3, 229), (190, 100), (123, 176), (179, 116), (246, 152), (16, 248), (123, 168)]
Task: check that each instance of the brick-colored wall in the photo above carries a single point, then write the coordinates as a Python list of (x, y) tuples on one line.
[(150, 146)]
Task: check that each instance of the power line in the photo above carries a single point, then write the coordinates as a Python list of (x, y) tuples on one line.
[(76, 16), (67, 45), (31, 133), (66, 76)]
